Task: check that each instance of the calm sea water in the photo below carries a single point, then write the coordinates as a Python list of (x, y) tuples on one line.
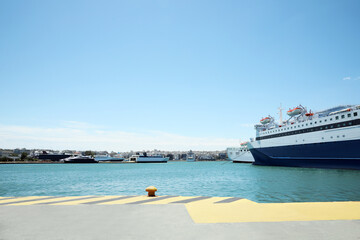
[(222, 179)]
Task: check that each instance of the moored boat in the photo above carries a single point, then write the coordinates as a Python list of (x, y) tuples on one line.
[(144, 158), (55, 157), (190, 156), (79, 159), (325, 139), (240, 154), (108, 158)]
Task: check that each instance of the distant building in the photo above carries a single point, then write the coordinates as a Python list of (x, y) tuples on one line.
[(170, 156)]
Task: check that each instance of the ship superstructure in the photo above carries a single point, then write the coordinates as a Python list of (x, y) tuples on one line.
[(326, 139)]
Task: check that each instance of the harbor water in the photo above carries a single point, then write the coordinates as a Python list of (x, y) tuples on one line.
[(222, 179)]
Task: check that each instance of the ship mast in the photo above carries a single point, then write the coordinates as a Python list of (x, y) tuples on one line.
[(280, 114)]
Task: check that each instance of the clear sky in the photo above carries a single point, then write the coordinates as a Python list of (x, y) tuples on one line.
[(170, 75)]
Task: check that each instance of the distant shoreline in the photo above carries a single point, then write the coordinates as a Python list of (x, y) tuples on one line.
[(52, 162)]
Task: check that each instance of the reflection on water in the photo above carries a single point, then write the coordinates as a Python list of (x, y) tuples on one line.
[(223, 179)]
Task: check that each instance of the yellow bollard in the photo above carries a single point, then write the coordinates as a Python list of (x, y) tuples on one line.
[(151, 191)]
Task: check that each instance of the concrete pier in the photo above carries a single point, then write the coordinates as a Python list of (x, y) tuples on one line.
[(174, 217)]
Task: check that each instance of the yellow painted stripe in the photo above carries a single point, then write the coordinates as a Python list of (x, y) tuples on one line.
[(208, 201), (100, 199), (76, 202), (124, 201), (22, 199), (37, 201), (247, 211), (169, 200), (209, 211), (2, 198)]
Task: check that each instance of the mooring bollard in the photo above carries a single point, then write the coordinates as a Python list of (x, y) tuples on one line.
[(151, 191)]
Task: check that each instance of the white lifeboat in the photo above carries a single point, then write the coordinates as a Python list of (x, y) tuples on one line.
[(294, 111), (265, 120)]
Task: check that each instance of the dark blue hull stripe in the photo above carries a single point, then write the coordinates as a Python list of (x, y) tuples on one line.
[(342, 154)]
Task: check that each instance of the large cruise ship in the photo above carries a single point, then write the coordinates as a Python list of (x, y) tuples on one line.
[(326, 139)]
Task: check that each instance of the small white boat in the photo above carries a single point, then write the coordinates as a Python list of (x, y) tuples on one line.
[(79, 159)]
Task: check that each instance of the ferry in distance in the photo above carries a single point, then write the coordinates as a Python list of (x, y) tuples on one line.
[(144, 158), (325, 139), (108, 158), (190, 156), (240, 154), (79, 159)]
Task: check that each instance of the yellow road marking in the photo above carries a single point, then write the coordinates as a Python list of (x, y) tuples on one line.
[(169, 200), (46, 200), (100, 199), (126, 200), (76, 202), (247, 211), (22, 199), (207, 201), (208, 211)]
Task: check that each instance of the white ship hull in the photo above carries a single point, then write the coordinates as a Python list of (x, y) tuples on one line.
[(240, 155)]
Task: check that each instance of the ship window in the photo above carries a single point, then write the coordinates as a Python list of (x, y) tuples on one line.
[(320, 121), (337, 117), (311, 123), (338, 125), (344, 124), (343, 135), (350, 123), (342, 116), (325, 120), (326, 127), (315, 122), (330, 119), (349, 114), (355, 114), (306, 124), (331, 137), (331, 126), (338, 136)]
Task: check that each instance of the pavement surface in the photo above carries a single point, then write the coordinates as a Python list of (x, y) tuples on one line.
[(174, 217)]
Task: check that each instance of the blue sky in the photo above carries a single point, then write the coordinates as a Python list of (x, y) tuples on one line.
[(170, 75)]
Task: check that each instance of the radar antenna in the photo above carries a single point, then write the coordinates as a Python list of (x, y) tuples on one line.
[(280, 114)]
